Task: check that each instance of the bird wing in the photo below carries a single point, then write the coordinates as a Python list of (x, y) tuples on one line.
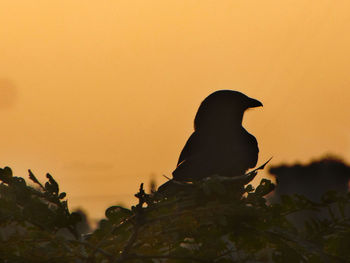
[(195, 167), (230, 154), (252, 150), (191, 148)]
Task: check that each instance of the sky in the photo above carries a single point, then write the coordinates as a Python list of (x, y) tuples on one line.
[(102, 93)]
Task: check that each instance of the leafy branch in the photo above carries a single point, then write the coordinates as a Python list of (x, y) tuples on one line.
[(218, 219)]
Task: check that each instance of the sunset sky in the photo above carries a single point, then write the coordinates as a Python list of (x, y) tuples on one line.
[(102, 93)]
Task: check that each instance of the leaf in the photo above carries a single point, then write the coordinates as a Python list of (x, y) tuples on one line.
[(330, 197), (34, 179), (265, 187), (19, 182), (261, 167), (6, 175), (62, 195), (74, 218), (288, 201), (117, 213), (249, 188), (51, 186)]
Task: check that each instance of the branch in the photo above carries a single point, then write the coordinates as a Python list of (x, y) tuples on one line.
[(103, 252), (188, 258), (141, 195), (125, 254)]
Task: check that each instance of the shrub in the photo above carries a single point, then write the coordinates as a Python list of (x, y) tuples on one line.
[(218, 219)]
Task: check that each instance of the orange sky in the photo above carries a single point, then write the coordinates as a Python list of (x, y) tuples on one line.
[(102, 94)]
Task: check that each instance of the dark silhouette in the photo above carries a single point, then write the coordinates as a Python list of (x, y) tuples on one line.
[(83, 227), (219, 144), (312, 180)]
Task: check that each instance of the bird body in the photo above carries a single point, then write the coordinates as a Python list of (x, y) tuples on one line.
[(225, 154), (219, 145)]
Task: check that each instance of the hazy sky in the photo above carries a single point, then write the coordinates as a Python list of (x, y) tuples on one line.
[(102, 94)]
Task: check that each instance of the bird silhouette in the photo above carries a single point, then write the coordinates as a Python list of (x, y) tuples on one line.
[(219, 144)]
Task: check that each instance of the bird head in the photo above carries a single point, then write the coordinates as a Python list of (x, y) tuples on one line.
[(223, 108)]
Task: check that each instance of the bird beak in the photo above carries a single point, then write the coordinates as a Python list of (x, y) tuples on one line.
[(252, 103)]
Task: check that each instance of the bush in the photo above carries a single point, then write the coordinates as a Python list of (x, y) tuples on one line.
[(218, 219)]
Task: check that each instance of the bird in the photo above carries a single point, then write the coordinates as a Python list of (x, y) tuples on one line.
[(219, 144)]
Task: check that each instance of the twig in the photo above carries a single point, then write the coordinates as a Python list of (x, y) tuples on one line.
[(141, 195), (303, 243), (125, 254), (103, 252), (191, 259)]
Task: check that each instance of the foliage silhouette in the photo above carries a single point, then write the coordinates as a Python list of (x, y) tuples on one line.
[(218, 219), (313, 179), (324, 180)]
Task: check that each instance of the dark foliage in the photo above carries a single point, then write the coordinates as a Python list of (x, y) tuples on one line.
[(329, 174), (218, 219), (313, 179)]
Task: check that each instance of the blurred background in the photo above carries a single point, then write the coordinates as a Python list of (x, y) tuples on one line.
[(102, 94)]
